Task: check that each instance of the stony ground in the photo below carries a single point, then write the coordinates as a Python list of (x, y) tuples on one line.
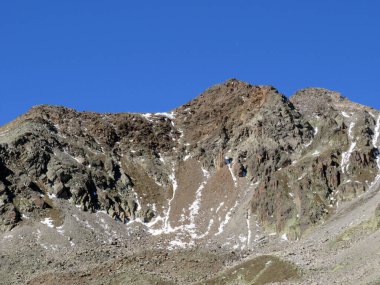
[(343, 250)]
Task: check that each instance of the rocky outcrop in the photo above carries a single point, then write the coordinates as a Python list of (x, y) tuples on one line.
[(293, 160), (58, 152)]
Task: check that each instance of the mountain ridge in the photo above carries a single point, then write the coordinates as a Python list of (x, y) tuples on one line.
[(236, 168)]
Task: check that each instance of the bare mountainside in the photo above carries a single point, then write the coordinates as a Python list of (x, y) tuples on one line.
[(238, 186)]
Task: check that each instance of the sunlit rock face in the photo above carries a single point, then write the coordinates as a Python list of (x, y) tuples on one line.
[(234, 165)]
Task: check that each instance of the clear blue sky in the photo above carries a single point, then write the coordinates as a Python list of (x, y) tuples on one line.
[(151, 56)]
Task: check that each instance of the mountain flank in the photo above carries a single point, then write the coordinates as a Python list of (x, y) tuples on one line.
[(239, 175)]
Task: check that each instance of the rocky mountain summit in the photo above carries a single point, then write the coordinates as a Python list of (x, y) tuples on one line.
[(239, 169)]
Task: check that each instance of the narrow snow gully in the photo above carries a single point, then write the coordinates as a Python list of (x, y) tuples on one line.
[(248, 221), (194, 208), (184, 230), (228, 160), (347, 154), (375, 139), (173, 180)]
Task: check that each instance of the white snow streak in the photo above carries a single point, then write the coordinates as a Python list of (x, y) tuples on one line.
[(302, 176), (176, 244), (232, 174), (346, 155), (60, 230), (248, 221), (211, 222), (189, 228), (136, 199), (171, 115), (166, 223), (311, 141), (188, 156), (226, 220), (375, 144), (377, 132), (147, 116), (220, 206), (194, 208), (80, 160), (352, 124)]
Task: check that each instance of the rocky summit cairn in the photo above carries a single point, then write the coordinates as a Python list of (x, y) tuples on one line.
[(232, 170)]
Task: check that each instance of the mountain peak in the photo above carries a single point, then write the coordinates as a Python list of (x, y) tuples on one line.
[(319, 94), (232, 94), (311, 101)]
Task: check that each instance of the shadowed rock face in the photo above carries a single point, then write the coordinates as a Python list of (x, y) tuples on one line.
[(235, 156)]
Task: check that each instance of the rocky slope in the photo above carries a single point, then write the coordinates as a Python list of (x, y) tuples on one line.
[(240, 168)]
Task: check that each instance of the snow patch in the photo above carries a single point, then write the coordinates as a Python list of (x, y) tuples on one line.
[(188, 156), (60, 230), (176, 244), (302, 176), (242, 238), (52, 196), (147, 116), (284, 237), (48, 222), (136, 199), (171, 115)]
